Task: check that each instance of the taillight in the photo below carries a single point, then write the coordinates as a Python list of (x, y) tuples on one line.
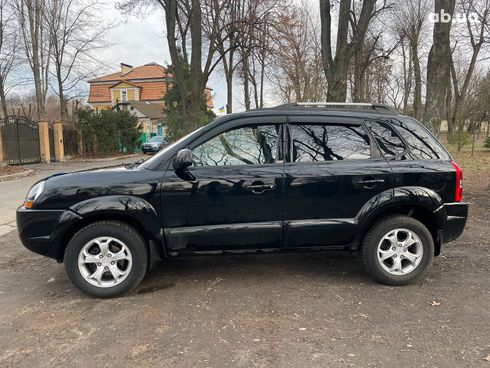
[(458, 192)]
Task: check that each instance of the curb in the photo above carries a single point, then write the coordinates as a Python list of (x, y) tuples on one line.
[(19, 175)]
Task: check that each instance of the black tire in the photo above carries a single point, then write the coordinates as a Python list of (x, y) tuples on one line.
[(369, 250), (118, 230)]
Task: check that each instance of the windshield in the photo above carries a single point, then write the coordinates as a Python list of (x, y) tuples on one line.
[(155, 158), (156, 139)]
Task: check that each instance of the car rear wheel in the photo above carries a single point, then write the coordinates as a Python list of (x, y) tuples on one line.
[(106, 259), (397, 250)]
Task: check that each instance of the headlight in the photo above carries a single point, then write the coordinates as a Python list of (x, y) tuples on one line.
[(33, 194)]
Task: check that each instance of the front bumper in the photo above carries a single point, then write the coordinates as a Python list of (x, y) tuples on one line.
[(456, 215), (43, 231)]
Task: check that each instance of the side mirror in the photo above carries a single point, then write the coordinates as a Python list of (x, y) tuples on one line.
[(183, 159)]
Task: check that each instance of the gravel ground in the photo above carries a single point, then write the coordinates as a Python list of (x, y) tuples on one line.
[(283, 310)]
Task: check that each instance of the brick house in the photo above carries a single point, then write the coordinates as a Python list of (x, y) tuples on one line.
[(138, 89)]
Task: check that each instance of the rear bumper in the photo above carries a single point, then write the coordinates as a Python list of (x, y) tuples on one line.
[(456, 215), (42, 231)]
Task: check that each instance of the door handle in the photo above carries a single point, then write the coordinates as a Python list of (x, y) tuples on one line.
[(260, 188), (370, 182)]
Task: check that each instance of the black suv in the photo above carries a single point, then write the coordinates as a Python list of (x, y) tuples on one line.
[(360, 177)]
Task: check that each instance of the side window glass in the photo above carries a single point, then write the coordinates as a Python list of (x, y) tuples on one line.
[(318, 142), (422, 145), (387, 139), (251, 145)]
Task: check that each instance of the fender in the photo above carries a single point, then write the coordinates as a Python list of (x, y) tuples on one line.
[(133, 207), (401, 196)]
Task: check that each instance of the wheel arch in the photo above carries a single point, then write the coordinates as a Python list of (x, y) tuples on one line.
[(419, 203), (133, 211)]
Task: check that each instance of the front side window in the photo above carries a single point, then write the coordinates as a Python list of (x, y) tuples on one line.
[(329, 142), (250, 145)]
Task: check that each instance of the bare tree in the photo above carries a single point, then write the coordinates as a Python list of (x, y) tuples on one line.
[(477, 15), (297, 68), (37, 45), (229, 39), (336, 65), (9, 43), (76, 32), (409, 18)]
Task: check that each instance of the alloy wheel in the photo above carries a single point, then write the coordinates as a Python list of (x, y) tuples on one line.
[(400, 252), (105, 261)]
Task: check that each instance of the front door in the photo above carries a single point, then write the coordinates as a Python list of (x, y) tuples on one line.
[(333, 169), (231, 198)]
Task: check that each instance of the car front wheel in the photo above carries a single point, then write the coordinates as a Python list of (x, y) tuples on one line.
[(106, 259), (397, 250)]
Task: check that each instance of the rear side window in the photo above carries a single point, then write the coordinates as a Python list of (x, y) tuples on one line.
[(388, 140), (422, 145), (329, 142)]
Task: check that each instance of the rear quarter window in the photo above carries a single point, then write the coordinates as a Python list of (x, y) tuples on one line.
[(387, 139), (421, 143)]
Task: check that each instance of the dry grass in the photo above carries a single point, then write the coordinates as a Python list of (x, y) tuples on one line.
[(476, 167)]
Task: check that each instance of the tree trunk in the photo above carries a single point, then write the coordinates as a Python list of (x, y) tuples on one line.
[(246, 88), (417, 94), (61, 95), (3, 98), (438, 67), (229, 93), (407, 78), (229, 69), (191, 93)]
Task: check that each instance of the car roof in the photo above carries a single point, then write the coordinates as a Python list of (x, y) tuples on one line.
[(370, 111)]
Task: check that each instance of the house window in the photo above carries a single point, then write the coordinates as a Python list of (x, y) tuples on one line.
[(124, 95)]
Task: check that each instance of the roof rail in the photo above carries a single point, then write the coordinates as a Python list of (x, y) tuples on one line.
[(354, 105)]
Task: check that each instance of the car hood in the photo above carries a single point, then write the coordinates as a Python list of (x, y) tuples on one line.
[(63, 190)]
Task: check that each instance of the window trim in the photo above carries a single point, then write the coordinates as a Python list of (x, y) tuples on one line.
[(243, 123), (375, 153), (387, 123)]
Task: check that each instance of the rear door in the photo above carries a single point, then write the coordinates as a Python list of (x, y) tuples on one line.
[(333, 168)]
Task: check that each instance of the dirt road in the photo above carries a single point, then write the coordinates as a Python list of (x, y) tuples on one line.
[(287, 310)]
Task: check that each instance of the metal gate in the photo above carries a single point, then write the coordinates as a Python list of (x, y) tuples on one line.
[(20, 140), (51, 142)]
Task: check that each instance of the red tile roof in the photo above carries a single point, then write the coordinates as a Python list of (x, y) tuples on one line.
[(148, 71)]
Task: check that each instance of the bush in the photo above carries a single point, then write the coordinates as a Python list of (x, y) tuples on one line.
[(107, 132), (460, 138), (487, 143)]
